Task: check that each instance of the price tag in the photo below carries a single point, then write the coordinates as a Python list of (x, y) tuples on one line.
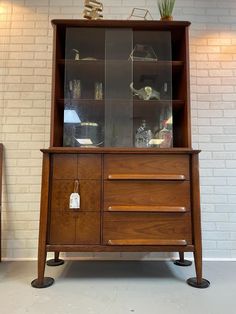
[(74, 200)]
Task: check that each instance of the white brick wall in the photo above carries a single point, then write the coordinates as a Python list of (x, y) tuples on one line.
[(25, 76)]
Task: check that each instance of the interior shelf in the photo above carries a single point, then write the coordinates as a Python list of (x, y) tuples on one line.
[(159, 63), (136, 102), (80, 62)]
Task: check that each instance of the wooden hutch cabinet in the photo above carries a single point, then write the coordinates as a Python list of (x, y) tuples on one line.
[(120, 139)]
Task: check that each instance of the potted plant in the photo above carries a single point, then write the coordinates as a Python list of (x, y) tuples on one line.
[(166, 8)]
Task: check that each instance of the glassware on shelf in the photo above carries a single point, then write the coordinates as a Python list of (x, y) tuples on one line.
[(74, 89), (165, 91), (76, 54), (143, 135), (98, 92), (165, 134), (88, 134)]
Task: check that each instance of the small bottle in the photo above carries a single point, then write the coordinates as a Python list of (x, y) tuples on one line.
[(98, 92), (164, 94), (74, 89), (143, 135), (76, 53), (166, 135)]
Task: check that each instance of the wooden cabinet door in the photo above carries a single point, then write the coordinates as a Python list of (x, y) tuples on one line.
[(74, 228), (89, 191), (82, 225)]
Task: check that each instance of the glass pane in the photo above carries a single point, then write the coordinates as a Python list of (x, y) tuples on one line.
[(152, 89), (84, 87), (118, 95)]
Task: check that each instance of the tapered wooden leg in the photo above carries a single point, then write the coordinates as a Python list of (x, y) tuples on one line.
[(41, 281), (198, 266), (181, 261), (198, 281), (56, 261)]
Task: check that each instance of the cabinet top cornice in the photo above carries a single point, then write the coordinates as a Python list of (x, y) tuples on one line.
[(118, 150), (155, 24)]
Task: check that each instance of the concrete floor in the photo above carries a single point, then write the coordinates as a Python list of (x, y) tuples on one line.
[(117, 287)]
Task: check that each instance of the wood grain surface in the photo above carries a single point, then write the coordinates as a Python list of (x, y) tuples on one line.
[(151, 164), (71, 228), (145, 226), (147, 193), (76, 166), (89, 191)]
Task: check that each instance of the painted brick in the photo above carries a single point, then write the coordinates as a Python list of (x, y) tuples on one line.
[(232, 181), (213, 199), (217, 235), (213, 181), (220, 57), (223, 139), (227, 245), (213, 164), (224, 121), (208, 226), (232, 199), (222, 105), (225, 172), (211, 130), (214, 254)]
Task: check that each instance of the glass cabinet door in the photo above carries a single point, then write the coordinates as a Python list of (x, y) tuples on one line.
[(84, 87), (117, 88), (152, 89), (118, 96)]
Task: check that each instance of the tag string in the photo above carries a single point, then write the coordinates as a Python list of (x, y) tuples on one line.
[(76, 186)]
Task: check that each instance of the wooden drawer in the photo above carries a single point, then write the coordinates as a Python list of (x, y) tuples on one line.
[(90, 191), (146, 194), (149, 165), (146, 229), (74, 228), (76, 166)]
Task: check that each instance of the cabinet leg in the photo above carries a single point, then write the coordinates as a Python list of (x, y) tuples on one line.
[(41, 281), (56, 261), (198, 281), (181, 261)]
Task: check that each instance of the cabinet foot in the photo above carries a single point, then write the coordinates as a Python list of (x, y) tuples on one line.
[(193, 283), (47, 282), (184, 262), (55, 262)]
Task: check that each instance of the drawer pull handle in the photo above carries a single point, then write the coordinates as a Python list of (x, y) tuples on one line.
[(172, 177), (153, 209), (147, 242)]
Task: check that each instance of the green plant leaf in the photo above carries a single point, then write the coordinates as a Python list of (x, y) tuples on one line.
[(166, 7)]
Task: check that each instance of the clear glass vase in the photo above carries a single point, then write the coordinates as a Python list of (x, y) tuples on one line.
[(143, 135)]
